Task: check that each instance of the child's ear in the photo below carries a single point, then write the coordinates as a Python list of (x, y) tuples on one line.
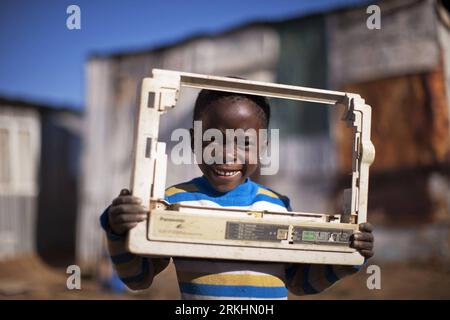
[(191, 133), (262, 149), (265, 143)]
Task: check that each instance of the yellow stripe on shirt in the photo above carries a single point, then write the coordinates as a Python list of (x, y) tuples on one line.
[(188, 187), (270, 194), (231, 279), (267, 193)]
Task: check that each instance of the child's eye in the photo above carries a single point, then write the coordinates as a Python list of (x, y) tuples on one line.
[(208, 142), (247, 143)]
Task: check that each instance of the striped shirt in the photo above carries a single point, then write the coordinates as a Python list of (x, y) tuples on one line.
[(225, 279)]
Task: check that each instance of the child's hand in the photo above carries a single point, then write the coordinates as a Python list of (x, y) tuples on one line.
[(363, 240), (125, 212)]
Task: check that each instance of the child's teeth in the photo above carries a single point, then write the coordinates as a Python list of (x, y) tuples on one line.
[(226, 173)]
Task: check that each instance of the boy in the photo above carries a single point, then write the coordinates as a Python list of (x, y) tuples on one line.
[(223, 185)]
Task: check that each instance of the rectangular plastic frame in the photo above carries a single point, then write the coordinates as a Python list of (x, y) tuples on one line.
[(159, 94)]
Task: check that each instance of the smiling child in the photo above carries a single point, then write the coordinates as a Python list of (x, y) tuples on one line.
[(223, 184)]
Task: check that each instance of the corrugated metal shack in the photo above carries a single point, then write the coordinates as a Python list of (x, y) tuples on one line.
[(19, 152), (39, 170), (402, 70)]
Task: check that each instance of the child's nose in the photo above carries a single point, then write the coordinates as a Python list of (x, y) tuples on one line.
[(233, 154), (228, 154)]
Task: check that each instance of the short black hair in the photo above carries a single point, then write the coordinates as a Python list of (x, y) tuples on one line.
[(207, 97)]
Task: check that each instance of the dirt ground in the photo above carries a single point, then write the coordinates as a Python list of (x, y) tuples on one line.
[(30, 278)]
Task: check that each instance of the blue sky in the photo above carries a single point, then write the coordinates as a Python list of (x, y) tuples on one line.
[(41, 60)]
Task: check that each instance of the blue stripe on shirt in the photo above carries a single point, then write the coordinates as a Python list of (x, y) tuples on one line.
[(113, 237), (243, 195), (224, 201), (233, 291), (362, 265)]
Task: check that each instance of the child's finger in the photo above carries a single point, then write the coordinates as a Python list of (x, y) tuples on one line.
[(363, 245), (126, 199), (127, 209), (125, 227), (124, 192), (125, 218), (363, 236), (366, 253), (366, 227)]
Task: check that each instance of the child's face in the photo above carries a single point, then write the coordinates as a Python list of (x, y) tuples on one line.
[(241, 114)]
